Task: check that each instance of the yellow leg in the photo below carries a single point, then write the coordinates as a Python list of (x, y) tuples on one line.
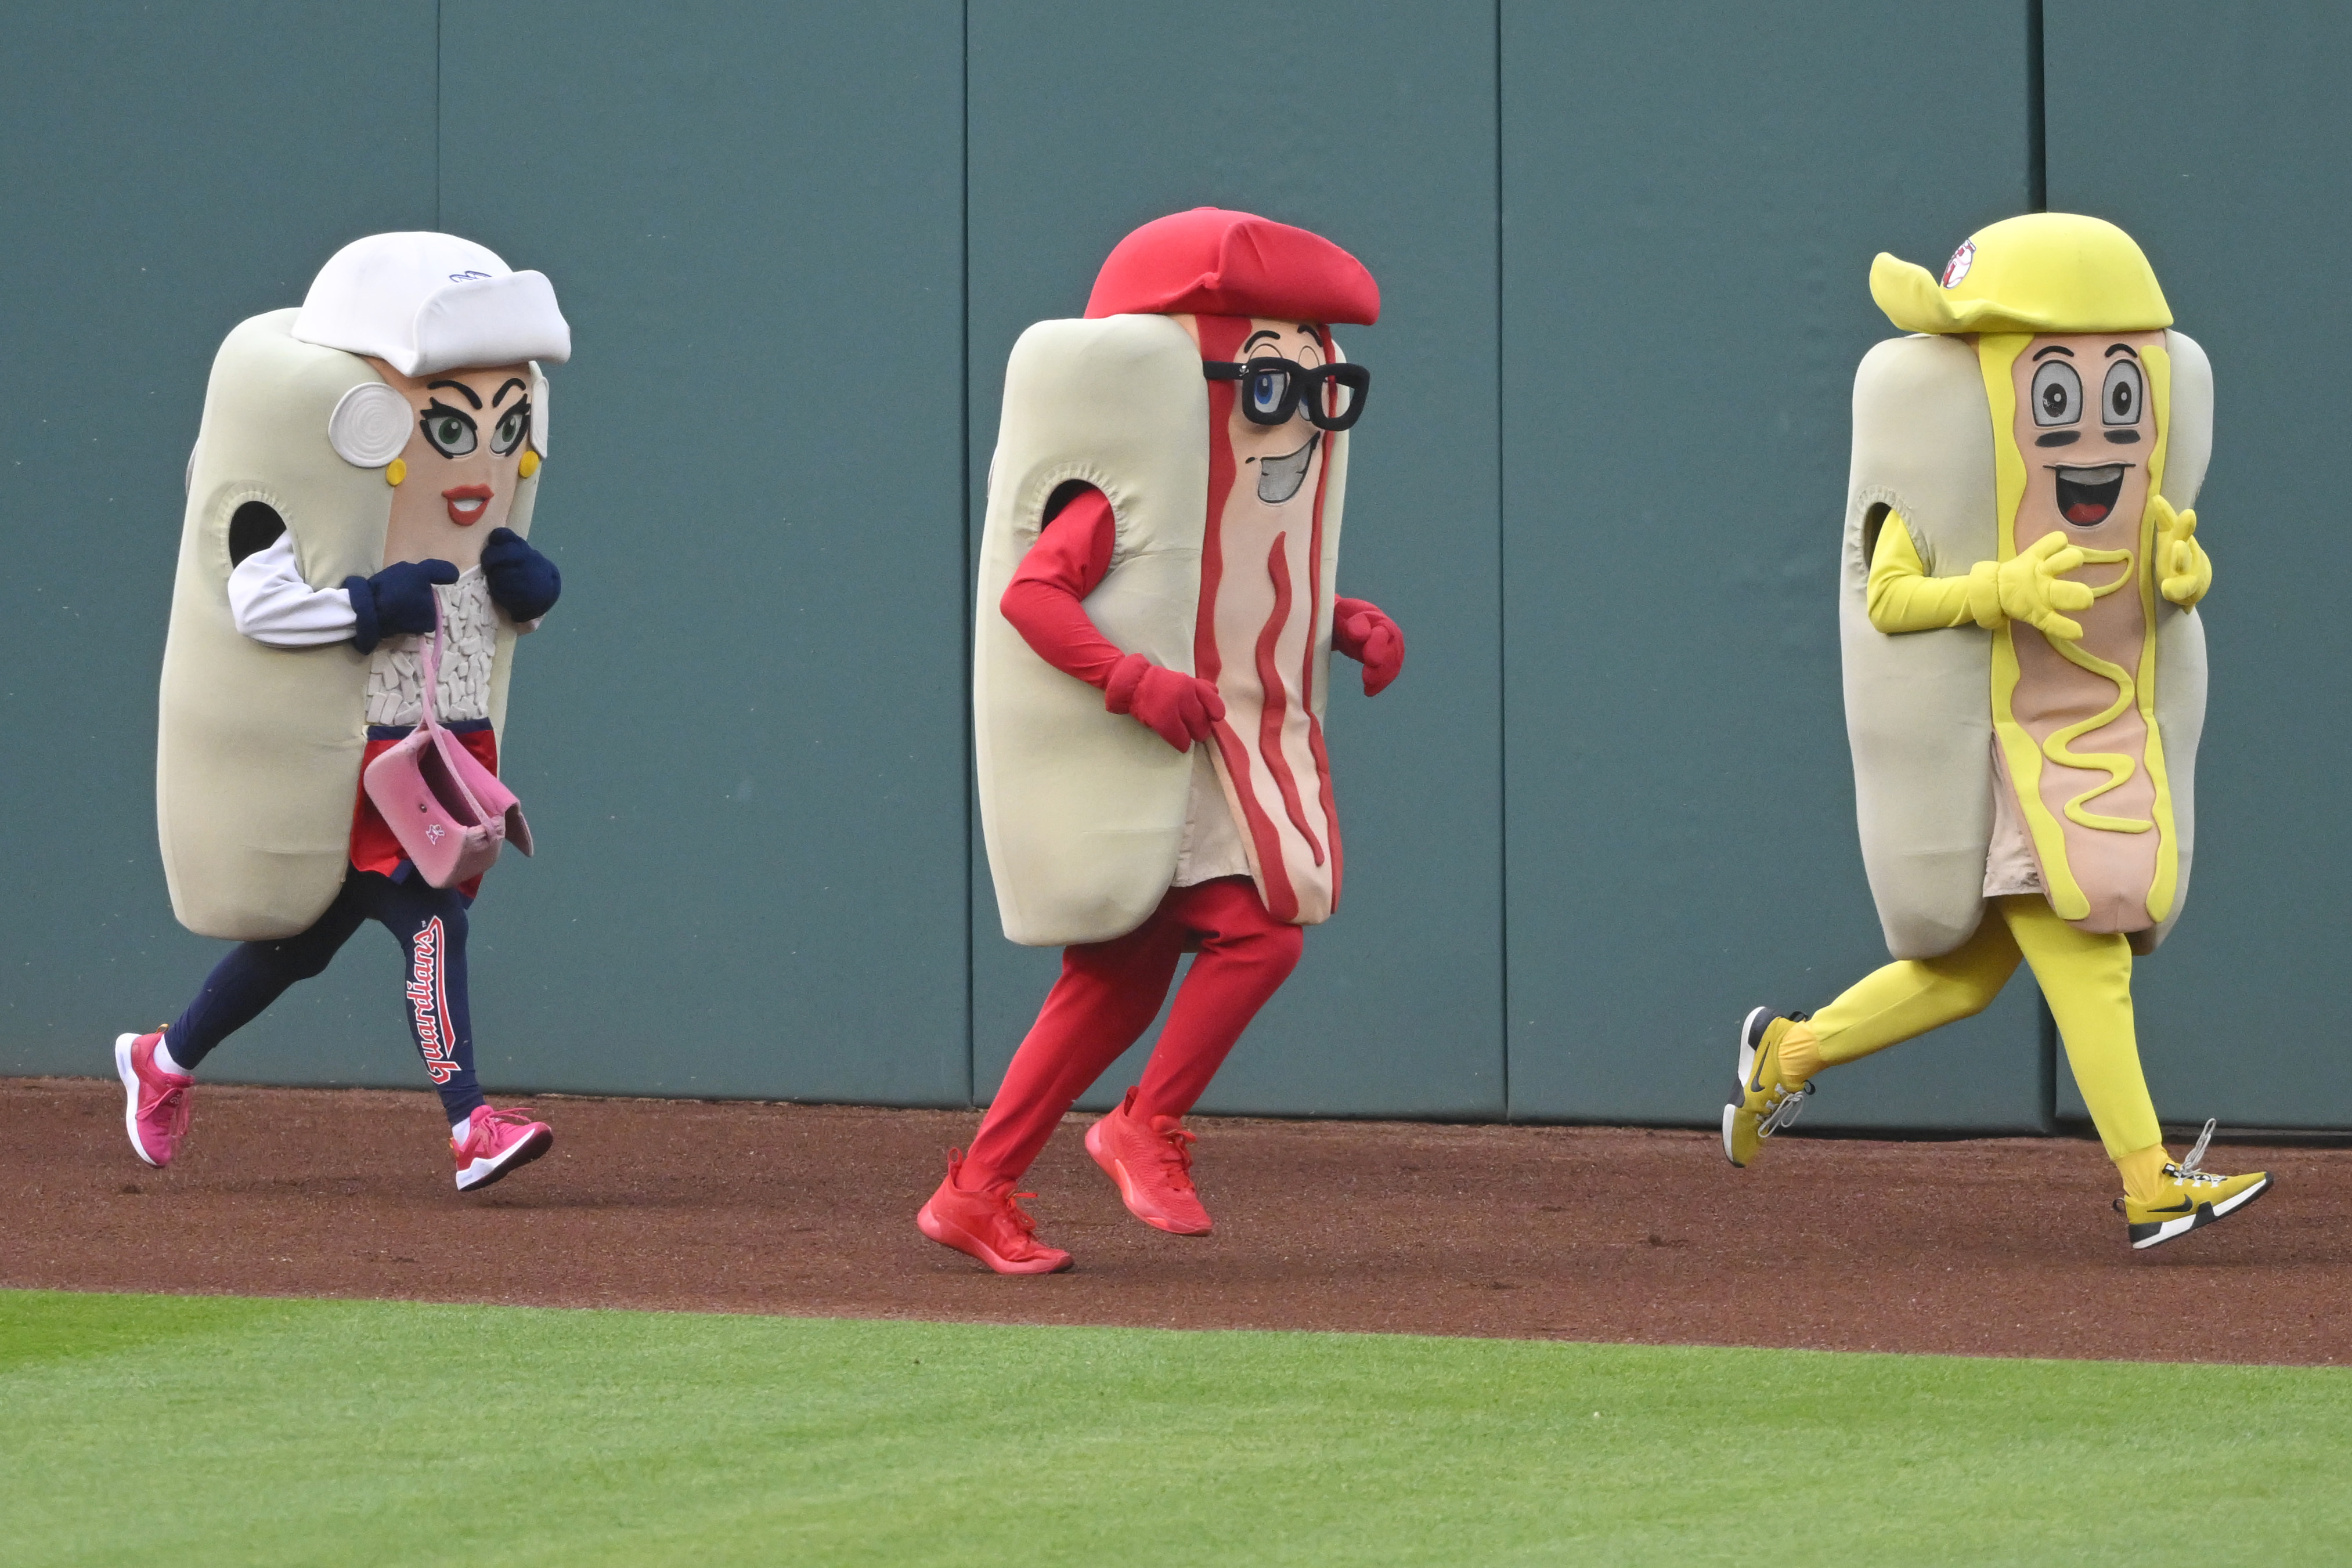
[(1906, 998), (2087, 979), (2143, 1172)]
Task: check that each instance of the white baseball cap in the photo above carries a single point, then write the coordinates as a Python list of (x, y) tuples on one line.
[(423, 302)]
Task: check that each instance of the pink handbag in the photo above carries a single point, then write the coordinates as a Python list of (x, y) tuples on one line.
[(449, 812)]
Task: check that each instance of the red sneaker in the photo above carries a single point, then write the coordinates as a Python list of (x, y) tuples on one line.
[(989, 1225), (156, 1111), (497, 1142), (1153, 1168)]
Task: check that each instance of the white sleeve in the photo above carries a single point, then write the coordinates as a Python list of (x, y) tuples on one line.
[(272, 604)]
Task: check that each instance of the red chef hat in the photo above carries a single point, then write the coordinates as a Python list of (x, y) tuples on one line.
[(1212, 262)]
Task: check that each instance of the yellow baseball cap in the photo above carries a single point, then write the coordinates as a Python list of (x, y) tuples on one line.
[(2042, 272)]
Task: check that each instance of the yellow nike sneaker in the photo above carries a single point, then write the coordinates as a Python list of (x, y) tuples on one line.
[(1762, 1101), (2189, 1196)]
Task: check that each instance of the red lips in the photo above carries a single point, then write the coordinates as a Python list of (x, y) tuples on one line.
[(468, 503)]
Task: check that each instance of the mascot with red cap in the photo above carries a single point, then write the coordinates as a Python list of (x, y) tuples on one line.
[(1157, 615)]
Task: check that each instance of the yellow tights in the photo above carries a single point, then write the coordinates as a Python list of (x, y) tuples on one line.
[(2087, 979)]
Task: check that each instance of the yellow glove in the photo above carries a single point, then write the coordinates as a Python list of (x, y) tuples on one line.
[(2183, 571), (2030, 587)]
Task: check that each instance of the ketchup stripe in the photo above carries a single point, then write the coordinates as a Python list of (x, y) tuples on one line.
[(1271, 709), (1220, 339), (1281, 898)]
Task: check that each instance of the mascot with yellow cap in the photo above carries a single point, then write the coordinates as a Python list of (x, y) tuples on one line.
[(2024, 674)]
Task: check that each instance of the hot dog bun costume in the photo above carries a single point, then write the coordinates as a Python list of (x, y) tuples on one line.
[(1157, 614), (258, 754), (1082, 810), (2024, 672), (367, 465)]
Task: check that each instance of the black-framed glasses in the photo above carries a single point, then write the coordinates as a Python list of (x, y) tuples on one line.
[(1272, 389)]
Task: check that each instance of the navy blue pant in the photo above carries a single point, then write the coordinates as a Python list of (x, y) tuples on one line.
[(430, 923)]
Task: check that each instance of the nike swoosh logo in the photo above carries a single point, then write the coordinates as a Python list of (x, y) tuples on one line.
[(2184, 1207)]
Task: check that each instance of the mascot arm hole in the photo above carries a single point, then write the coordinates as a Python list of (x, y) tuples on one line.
[(1902, 596), (1044, 598), (272, 604)]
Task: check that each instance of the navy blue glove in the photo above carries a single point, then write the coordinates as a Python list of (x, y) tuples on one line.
[(522, 583), (396, 600)]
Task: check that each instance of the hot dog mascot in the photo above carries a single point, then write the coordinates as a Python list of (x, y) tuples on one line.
[(2024, 674), (1156, 619), (361, 461)]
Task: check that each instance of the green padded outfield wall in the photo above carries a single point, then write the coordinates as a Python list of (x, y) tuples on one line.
[(2222, 138), (1624, 251), (1692, 198), (740, 737), (165, 172), (748, 752)]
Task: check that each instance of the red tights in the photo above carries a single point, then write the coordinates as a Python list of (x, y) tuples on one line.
[(1107, 995)]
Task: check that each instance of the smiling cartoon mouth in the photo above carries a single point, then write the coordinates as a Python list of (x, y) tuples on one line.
[(466, 503), (2085, 495), (1278, 478)]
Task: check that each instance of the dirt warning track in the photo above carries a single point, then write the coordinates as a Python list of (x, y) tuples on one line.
[(1985, 1247)]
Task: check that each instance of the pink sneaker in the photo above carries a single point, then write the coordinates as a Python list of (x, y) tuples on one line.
[(1153, 1167), (496, 1142), (156, 1107)]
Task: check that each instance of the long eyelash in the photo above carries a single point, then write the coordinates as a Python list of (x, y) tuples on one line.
[(437, 407)]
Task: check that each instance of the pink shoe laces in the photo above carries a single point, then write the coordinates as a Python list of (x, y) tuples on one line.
[(170, 1111), (485, 1128)]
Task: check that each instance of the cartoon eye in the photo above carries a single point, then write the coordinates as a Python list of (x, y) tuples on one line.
[(510, 429), (450, 432), (1265, 392), (2057, 395), (2119, 402)]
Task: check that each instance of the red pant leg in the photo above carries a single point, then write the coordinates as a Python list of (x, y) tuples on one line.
[(1106, 997), (1246, 955)]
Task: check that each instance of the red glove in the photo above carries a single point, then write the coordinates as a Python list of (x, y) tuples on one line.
[(1177, 708), (1360, 629)]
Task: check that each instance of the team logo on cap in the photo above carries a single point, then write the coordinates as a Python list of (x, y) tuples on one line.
[(1958, 267), (465, 276)]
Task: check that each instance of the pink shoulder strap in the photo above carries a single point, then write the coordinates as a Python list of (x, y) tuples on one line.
[(429, 652)]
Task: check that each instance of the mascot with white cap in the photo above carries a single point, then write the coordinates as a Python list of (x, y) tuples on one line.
[(1156, 620), (2024, 676), (361, 486)]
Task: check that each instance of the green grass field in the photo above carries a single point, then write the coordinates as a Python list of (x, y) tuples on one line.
[(200, 1430)]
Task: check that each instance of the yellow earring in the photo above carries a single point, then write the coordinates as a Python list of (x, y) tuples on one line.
[(530, 464), (395, 471)]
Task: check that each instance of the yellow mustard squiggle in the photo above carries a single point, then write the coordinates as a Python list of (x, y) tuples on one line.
[(2117, 767)]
